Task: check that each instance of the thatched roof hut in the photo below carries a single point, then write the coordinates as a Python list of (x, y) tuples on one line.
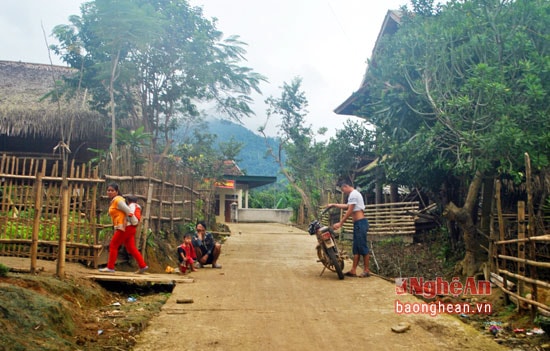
[(32, 125)]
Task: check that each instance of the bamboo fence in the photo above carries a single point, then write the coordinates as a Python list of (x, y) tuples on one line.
[(519, 260), (30, 208), (389, 220), (165, 204)]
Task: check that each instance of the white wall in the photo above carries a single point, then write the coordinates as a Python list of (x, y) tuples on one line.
[(264, 215)]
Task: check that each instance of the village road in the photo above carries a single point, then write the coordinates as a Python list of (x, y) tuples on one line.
[(270, 295)]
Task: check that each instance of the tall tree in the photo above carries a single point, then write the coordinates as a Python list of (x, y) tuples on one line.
[(305, 164), (108, 32), (164, 59), (231, 149), (461, 92), (352, 148)]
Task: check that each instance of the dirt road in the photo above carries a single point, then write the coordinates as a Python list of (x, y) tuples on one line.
[(269, 295)]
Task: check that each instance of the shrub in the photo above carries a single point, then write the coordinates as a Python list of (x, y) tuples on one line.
[(4, 270)]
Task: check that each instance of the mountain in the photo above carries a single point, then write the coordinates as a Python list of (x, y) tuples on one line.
[(253, 159)]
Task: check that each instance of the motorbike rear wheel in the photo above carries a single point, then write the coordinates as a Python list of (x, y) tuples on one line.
[(338, 267)]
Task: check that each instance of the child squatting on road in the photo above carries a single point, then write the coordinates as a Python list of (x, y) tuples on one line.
[(187, 255)]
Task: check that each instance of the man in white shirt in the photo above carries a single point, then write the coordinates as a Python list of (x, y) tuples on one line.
[(355, 208)]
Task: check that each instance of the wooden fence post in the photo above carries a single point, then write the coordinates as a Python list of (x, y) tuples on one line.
[(502, 249), (531, 232), (36, 221), (521, 247), (493, 248), (145, 227)]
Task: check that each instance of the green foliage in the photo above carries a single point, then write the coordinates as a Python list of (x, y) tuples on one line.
[(352, 148), (4, 270), (199, 210), (305, 166), (462, 89), (100, 156), (230, 149), (188, 227), (23, 230), (151, 239), (276, 196), (136, 140), (165, 50), (543, 322), (197, 153)]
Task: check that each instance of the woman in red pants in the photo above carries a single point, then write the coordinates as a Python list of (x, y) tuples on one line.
[(120, 213)]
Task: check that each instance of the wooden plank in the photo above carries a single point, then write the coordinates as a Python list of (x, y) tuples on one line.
[(47, 242), (526, 261), (545, 237), (393, 204), (521, 279), (128, 277), (51, 178), (392, 232), (375, 226)]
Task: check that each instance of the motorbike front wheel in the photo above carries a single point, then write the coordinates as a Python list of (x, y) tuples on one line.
[(333, 255)]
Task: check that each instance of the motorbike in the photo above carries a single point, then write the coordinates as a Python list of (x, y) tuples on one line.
[(329, 255)]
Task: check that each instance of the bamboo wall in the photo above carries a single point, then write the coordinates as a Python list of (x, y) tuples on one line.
[(390, 220)]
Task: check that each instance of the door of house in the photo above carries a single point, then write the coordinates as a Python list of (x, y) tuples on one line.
[(227, 210)]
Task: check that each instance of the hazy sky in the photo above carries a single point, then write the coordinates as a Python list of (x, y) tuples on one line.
[(326, 43)]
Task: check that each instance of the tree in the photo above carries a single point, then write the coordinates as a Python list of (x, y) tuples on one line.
[(136, 141), (461, 92), (305, 165), (352, 148), (108, 32), (163, 57), (230, 149)]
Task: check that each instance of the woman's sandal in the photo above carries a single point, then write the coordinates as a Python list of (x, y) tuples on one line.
[(349, 274), (364, 275)]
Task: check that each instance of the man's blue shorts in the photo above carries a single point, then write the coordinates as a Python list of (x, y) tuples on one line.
[(360, 229)]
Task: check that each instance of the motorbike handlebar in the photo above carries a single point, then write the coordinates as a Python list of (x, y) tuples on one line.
[(325, 211)]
